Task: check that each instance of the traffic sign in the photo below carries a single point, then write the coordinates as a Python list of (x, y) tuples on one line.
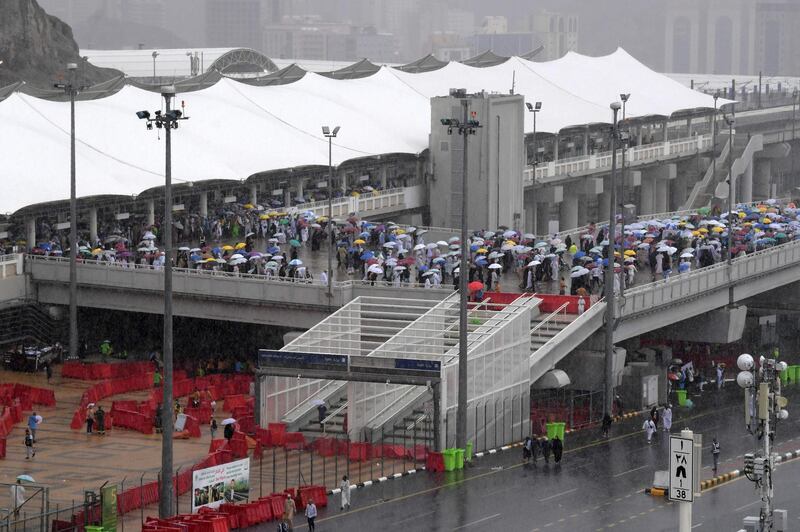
[(681, 469)]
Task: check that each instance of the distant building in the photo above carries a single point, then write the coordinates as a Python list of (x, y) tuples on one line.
[(494, 24), (329, 42), (558, 33), (235, 23), (732, 36), (508, 44), (449, 46)]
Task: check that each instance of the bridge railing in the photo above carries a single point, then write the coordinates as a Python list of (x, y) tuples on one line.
[(634, 156), (682, 286)]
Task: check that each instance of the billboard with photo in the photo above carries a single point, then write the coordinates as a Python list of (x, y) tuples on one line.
[(219, 484)]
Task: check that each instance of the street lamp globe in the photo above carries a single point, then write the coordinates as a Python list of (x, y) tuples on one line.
[(783, 414), (744, 379), (745, 362)]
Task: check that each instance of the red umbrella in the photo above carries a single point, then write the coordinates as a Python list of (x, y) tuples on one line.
[(475, 286)]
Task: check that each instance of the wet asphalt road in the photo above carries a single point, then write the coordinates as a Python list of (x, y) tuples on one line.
[(598, 485)]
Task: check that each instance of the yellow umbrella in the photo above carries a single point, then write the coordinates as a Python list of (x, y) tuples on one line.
[(703, 230), (359, 241), (263, 217), (249, 206), (400, 231), (322, 218), (240, 245), (761, 208), (767, 221), (717, 229), (630, 253), (227, 247), (482, 250), (741, 215), (616, 254), (97, 251), (696, 233)]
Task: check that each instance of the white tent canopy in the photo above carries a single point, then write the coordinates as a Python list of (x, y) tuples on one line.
[(237, 130)]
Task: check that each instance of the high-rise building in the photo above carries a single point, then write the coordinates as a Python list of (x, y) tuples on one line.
[(234, 23), (557, 32), (732, 36)]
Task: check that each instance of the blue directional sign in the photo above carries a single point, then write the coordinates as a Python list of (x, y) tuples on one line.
[(294, 359), (418, 365)]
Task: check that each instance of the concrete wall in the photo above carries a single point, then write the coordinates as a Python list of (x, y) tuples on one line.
[(496, 162)]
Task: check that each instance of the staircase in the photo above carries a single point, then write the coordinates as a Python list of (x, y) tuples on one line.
[(29, 323), (416, 428), (702, 191), (332, 425), (545, 327)]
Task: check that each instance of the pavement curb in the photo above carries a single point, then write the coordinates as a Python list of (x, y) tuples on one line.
[(378, 480), (727, 477)]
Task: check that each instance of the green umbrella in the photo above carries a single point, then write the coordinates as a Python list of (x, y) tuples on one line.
[(294, 243), (704, 211), (781, 235), (284, 222)]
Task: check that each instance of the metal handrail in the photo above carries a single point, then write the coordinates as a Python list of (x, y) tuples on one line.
[(547, 321), (336, 412)]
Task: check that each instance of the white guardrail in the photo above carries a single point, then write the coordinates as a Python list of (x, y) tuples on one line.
[(650, 296)]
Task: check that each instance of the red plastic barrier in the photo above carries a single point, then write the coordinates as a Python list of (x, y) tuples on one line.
[(2, 447), (359, 451), (318, 494), (247, 424), (79, 370), (294, 441), (263, 437), (324, 446), (435, 462), (277, 433), (193, 426)]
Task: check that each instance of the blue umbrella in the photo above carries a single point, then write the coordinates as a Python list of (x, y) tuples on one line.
[(439, 260), (273, 249), (215, 250), (45, 246), (474, 247), (580, 254), (423, 268), (365, 234), (195, 258), (367, 255)]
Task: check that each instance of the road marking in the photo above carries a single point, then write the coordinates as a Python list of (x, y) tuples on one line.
[(476, 522), (746, 506), (407, 519), (698, 524), (631, 470), (551, 497)]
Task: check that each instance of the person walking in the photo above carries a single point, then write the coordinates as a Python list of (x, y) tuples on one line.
[(546, 448), (715, 455), (322, 411), (33, 424), (606, 424), (526, 449), (720, 376), (48, 370), (30, 450), (228, 431), (100, 421), (558, 449), (311, 515), (650, 428), (345, 487), (289, 509), (17, 497), (213, 426), (89, 421), (654, 416), (667, 418), (534, 451)]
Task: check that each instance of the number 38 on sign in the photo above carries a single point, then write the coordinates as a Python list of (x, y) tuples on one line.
[(681, 469)]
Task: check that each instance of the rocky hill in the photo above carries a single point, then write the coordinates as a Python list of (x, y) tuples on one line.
[(35, 47)]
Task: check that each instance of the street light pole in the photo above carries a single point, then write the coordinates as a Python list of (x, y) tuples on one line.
[(624, 142), (795, 96), (167, 121), (71, 89), (730, 121), (609, 282), (330, 135), (714, 141), (466, 126), (154, 55), (534, 108)]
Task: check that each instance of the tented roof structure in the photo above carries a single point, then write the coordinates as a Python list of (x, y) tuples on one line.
[(237, 130)]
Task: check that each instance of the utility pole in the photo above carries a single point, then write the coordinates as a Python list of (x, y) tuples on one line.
[(330, 135), (624, 139), (166, 121), (730, 218), (609, 282), (714, 141), (764, 408), (71, 89), (466, 126)]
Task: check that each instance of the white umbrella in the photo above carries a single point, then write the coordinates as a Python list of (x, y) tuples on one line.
[(375, 269), (441, 243), (228, 421), (317, 402), (533, 263), (687, 256), (39, 419), (495, 266), (419, 247)]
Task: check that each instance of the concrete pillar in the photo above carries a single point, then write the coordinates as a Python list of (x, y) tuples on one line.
[(301, 188), (204, 204), (746, 185), (568, 212), (529, 208), (666, 130), (344, 183), (689, 126), (254, 194), (287, 196), (662, 195), (30, 232), (93, 225), (151, 212), (647, 194), (640, 134), (586, 143), (555, 148), (384, 177), (542, 218), (762, 178), (602, 205)]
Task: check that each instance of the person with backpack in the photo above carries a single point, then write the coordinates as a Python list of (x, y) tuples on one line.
[(526, 450), (546, 448), (30, 450), (558, 449)]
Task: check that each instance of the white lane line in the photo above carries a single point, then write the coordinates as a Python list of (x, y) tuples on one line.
[(631, 471), (412, 518), (746, 506), (551, 497), (476, 522), (698, 524)]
